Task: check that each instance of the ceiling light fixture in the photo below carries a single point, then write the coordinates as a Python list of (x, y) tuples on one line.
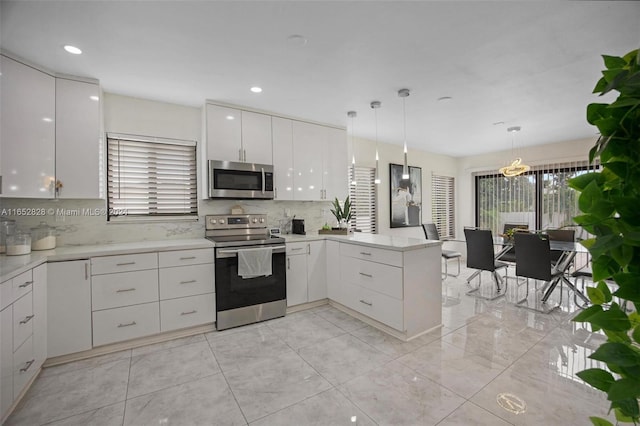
[(375, 105), (72, 49), (256, 89), (516, 167), (352, 115), (403, 93)]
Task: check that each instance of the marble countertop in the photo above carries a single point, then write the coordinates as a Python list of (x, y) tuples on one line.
[(389, 242), (10, 266)]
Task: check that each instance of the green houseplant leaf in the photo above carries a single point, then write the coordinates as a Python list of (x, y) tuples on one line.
[(609, 202)]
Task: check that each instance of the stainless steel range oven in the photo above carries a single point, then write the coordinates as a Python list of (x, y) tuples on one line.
[(239, 300)]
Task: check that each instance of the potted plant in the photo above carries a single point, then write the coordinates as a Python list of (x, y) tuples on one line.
[(343, 214), (609, 201)]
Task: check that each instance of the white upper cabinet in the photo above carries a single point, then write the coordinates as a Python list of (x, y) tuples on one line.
[(224, 133), (27, 149), (282, 158), (236, 135), (77, 138), (335, 176), (308, 146)]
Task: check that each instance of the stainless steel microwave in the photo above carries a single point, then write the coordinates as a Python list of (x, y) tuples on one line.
[(228, 179)]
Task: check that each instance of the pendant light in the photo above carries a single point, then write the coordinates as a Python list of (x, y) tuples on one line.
[(516, 168), (403, 93), (352, 115), (375, 105)]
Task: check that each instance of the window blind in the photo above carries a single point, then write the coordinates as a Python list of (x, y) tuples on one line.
[(363, 200), (443, 205), (151, 177)]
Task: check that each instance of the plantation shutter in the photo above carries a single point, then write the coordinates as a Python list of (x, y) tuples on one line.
[(443, 205), (363, 200), (151, 177)]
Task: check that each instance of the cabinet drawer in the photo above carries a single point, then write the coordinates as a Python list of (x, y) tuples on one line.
[(24, 366), (6, 294), (22, 284), (185, 257), (187, 311), (124, 263), (375, 276), (378, 306), (115, 325), (22, 319), (389, 257), (125, 289), (296, 248), (182, 281)]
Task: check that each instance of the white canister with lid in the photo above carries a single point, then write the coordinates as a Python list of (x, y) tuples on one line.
[(18, 243), (43, 237)]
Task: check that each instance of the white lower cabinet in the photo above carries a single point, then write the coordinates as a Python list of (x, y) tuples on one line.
[(6, 361), (187, 311), (129, 322), (68, 307), (124, 289), (22, 324), (306, 272)]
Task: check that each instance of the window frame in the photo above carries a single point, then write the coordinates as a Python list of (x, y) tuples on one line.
[(365, 177), (446, 230), (118, 212)]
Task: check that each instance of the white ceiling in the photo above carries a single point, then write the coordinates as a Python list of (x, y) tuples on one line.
[(530, 64)]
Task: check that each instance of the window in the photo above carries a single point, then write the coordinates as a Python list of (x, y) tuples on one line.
[(150, 178), (541, 198), (363, 200), (443, 205)]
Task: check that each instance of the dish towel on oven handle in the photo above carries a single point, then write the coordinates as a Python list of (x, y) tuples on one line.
[(254, 262)]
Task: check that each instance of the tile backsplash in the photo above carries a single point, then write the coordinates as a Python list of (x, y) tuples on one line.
[(76, 226)]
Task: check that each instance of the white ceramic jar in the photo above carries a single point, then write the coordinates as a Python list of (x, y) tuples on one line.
[(43, 237), (18, 244)]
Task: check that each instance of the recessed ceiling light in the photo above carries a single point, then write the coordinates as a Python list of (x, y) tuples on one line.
[(94, 98), (230, 117), (72, 49), (445, 99), (297, 40), (256, 89)]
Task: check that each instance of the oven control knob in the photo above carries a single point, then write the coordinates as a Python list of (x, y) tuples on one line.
[(213, 221), (255, 220), (262, 220), (221, 221)]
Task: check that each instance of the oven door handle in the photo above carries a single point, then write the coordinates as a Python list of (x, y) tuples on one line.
[(221, 253), (264, 184)]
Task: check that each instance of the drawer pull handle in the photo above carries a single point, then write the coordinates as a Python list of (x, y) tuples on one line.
[(27, 319), (366, 303), (26, 284), (27, 366), (187, 282), (127, 325), (124, 290), (125, 263), (189, 313), (366, 275), (297, 248), (187, 258), (364, 253)]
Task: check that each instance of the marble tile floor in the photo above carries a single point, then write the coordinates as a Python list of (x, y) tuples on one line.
[(491, 363)]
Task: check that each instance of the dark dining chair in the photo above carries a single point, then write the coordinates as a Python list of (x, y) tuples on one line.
[(480, 256), (510, 255), (534, 261), (560, 235), (431, 233)]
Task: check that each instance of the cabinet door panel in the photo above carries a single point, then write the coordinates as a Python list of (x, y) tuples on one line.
[(77, 139), (224, 133), (317, 271), (308, 145), (282, 130), (124, 289), (68, 307), (28, 131), (23, 366), (335, 165), (130, 322), (187, 312), (6, 361), (40, 312), (296, 279), (256, 138)]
